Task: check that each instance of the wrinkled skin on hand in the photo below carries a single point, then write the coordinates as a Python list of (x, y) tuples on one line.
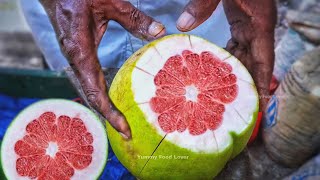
[(252, 26), (79, 26)]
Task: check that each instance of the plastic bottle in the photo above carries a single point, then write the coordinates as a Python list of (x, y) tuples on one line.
[(292, 119)]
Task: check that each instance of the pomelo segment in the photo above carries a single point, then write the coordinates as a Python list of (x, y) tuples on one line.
[(54, 139), (186, 98)]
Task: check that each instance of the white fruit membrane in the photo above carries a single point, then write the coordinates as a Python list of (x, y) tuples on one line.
[(238, 114), (17, 131)]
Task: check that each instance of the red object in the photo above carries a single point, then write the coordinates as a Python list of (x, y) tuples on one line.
[(256, 128), (273, 85)]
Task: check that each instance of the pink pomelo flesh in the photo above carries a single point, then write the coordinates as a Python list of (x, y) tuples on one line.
[(192, 90), (54, 147)]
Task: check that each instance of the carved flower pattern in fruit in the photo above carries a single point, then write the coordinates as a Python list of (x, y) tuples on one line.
[(192, 91), (53, 148)]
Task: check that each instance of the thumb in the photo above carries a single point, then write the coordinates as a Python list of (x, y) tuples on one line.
[(136, 22), (195, 13)]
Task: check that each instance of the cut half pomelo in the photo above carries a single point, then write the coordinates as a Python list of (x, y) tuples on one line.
[(191, 107), (54, 139)]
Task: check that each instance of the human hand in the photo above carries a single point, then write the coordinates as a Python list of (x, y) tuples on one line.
[(79, 26), (252, 26)]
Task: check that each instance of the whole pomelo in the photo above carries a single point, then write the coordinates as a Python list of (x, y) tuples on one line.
[(54, 139), (191, 107)]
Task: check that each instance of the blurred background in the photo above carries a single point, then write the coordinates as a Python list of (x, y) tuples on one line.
[(17, 48)]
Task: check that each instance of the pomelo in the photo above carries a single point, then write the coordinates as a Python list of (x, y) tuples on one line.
[(191, 107), (54, 139)]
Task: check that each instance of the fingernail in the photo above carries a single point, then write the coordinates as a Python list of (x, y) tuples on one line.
[(185, 21), (124, 136), (156, 29)]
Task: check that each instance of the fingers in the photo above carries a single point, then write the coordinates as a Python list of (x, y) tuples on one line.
[(78, 40), (252, 30), (94, 87), (240, 52), (195, 13), (136, 22), (258, 57), (231, 45), (119, 123), (88, 71)]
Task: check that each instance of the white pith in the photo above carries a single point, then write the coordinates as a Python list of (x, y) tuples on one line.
[(238, 114), (17, 130), (191, 93), (52, 149)]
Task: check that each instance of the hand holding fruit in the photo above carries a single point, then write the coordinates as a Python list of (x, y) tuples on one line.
[(79, 26), (252, 34)]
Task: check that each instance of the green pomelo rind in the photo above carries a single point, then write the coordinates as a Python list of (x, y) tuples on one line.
[(81, 107), (2, 175), (145, 138), (141, 131)]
